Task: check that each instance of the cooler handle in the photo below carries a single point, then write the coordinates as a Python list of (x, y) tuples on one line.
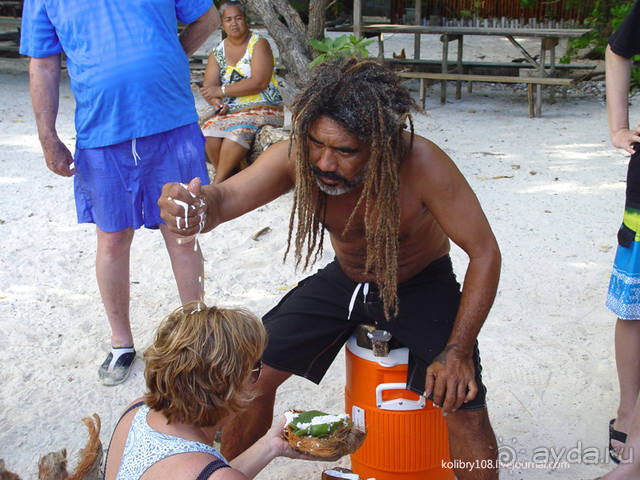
[(397, 403)]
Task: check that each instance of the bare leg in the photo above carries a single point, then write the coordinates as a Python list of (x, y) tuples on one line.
[(187, 265), (244, 429), (112, 273), (212, 149), (231, 153), (471, 439), (629, 468), (627, 346)]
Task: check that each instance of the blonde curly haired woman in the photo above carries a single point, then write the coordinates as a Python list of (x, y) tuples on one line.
[(199, 370)]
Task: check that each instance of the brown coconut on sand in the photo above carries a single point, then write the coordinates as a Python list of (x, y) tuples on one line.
[(343, 441)]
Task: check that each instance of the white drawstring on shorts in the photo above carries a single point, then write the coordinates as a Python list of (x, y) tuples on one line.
[(365, 291), (136, 157)]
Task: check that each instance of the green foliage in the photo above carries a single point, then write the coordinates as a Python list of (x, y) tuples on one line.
[(339, 47), (619, 13), (527, 3), (603, 19)]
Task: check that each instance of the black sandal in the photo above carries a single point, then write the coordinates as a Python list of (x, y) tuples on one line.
[(618, 436)]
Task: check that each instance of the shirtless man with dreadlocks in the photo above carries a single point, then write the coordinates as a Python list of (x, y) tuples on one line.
[(391, 202)]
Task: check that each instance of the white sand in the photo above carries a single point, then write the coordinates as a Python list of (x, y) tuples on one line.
[(547, 346)]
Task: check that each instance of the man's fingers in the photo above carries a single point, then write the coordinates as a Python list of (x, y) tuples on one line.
[(472, 391), (195, 185), (461, 396), (439, 390), (178, 209), (63, 170), (428, 384), (451, 398)]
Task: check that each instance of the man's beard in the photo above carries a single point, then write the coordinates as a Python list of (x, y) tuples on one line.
[(341, 188)]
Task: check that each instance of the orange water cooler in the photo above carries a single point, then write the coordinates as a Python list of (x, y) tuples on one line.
[(407, 437)]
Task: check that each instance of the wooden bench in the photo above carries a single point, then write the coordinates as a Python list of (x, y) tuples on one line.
[(10, 21), (9, 34), (530, 81), (504, 68)]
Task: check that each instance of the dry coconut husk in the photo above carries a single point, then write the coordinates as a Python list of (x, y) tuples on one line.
[(337, 473), (343, 441), (53, 465)]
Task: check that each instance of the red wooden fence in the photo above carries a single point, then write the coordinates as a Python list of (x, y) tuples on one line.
[(543, 10)]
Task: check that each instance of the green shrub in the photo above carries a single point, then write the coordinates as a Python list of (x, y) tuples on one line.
[(339, 47), (603, 23)]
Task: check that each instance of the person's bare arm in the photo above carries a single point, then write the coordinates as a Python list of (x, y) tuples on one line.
[(44, 82), (618, 71), (270, 176), (196, 33), (257, 456), (261, 70), (445, 192), (211, 82)]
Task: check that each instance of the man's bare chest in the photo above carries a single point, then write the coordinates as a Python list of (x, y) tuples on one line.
[(346, 225)]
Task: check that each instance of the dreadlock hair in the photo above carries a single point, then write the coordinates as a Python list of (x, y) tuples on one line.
[(368, 101)]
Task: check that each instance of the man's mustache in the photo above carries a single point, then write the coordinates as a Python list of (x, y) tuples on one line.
[(331, 176)]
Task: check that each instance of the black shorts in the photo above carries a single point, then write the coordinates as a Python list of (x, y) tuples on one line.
[(312, 322)]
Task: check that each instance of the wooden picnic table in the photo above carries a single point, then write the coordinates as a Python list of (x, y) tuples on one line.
[(548, 37)]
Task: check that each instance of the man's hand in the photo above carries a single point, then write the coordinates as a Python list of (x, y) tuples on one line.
[(58, 157), (451, 379), (625, 138), (184, 210)]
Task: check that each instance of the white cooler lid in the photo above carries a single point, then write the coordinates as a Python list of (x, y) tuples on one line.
[(397, 356)]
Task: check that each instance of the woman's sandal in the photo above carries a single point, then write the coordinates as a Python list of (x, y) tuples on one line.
[(618, 436)]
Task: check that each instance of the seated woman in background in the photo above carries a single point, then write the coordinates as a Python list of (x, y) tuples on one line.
[(199, 371), (240, 81)]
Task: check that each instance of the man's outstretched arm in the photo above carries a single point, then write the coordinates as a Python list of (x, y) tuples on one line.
[(270, 176)]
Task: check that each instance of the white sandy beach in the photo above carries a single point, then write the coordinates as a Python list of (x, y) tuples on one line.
[(552, 188)]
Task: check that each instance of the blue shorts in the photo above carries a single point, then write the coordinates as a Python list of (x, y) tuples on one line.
[(623, 297), (118, 186)]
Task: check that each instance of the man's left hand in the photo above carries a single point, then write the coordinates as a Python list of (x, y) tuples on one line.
[(451, 379)]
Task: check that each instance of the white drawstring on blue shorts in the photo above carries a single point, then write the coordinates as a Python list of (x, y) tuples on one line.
[(136, 157)]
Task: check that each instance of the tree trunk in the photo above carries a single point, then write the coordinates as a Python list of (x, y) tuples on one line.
[(317, 15), (291, 36)]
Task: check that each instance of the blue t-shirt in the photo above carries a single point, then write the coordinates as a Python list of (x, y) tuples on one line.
[(128, 71)]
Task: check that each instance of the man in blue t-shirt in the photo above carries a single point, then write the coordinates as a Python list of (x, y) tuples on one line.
[(136, 129)]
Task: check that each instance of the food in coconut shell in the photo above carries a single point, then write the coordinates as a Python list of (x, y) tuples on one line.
[(321, 435)]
